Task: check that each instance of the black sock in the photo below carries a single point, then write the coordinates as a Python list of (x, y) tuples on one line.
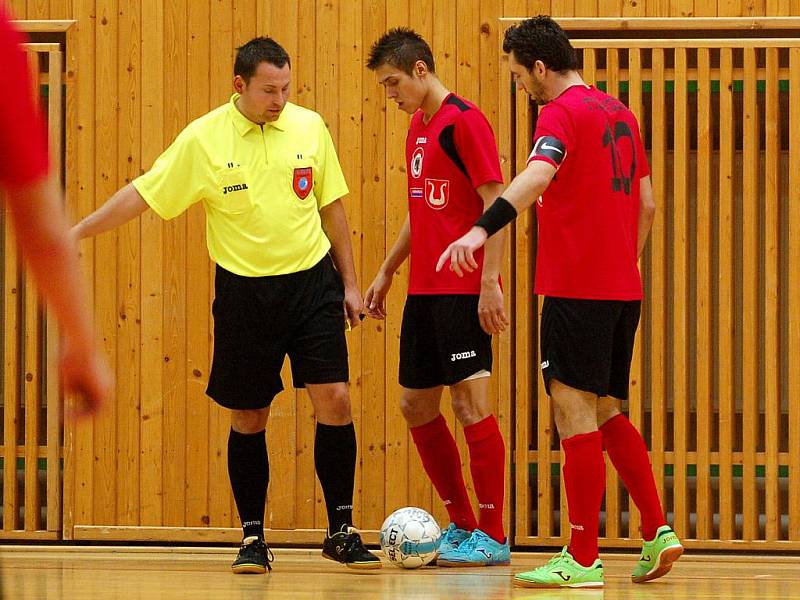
[(248, 469), (335, 461)]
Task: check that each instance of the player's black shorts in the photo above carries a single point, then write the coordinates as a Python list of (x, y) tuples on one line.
[(441, 341), (259, 320), (588, 344)]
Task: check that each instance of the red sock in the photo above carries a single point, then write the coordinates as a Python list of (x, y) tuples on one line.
[(628, 453), (487, 459), (585, 484), (439, 453)]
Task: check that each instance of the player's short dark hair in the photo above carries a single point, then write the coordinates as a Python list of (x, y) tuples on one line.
[(256, 51), (540, 38), (401, 48)]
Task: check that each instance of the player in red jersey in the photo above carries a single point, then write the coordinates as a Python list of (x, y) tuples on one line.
[(37, 215), (589, 176), (453, 174)]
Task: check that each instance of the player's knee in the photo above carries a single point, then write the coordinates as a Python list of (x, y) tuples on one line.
[(249, 421)]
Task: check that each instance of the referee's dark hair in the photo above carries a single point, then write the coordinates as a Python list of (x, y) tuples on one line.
[(256, 51), (401, 48), (540, 38)]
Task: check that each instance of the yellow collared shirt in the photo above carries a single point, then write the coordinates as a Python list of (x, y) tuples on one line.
[(261, 187)]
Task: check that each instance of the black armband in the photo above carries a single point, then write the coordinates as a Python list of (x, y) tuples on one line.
[(498, 215)]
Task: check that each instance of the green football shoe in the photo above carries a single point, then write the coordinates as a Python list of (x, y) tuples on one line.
[(562, 571), (657, 555)]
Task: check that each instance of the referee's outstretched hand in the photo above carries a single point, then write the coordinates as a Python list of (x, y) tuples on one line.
[(460, 252)]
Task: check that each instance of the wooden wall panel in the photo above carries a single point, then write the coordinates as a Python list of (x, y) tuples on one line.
[(141, 71)]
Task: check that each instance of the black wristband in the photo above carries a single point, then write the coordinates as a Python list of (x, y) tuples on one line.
[(499, 214)]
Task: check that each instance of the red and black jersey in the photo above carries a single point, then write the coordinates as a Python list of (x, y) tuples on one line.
[(589, 214), (23, 142), (447, 159)]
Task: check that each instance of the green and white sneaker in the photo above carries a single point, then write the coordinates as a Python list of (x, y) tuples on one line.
[(562, 571), (657, 555)]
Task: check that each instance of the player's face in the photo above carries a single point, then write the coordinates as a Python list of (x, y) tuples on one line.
[(530, 81), (407, 91), (265, 95)]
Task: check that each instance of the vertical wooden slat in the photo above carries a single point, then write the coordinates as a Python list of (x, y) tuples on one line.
[(506, 131), (32, 376), (32, 371), (128, 269), (500, 386), (374, 248), (350, 131), (587, 8), (52, 396), (771, 294), (725, 310), (198, 310), (81, 439), (680, 285), (681, 8), (612, 71), (422, 14), (399, 448), (703, 329), (105, 439), (222, 509), (793, 345), (705, 8), (152, 233), (589, 71), (11, 384), (67, 510), (657, 270), (612, 497), (175, 285), (636, 397), (751, 348)]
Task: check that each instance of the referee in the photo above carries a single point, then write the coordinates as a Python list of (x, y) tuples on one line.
[(268, 177)]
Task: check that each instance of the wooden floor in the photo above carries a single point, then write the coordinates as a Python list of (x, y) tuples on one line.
[(30, 573)]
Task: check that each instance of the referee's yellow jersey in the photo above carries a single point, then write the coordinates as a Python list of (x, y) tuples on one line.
[(261, 187)]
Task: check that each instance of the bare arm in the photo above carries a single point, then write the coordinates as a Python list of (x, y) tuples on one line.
[(521, 193), (123, 206), (43, 236), (334, 224), (375, 298), (491, 311), (647, 211)]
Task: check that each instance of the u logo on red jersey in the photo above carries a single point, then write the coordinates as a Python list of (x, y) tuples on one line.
[(437, 193)]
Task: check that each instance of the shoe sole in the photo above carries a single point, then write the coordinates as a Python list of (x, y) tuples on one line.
[(249, 569), (456, 564), (532, 584), (367, 566), (665, 559)]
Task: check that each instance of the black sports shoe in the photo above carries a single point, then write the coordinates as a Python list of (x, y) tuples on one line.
[(346, 547), (254, 557)]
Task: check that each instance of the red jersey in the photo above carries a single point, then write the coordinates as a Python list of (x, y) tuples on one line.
[(447, 159), (589, 215), (23, 143)]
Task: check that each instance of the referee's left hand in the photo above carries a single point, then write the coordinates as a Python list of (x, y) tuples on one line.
[(460, 252), (353, 306)]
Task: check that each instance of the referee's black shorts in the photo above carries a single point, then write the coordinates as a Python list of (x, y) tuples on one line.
[(259, 320), (588, 344)]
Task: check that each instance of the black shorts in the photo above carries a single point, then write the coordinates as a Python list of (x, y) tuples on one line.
[(588, 344), (441, 341), (259, 320)]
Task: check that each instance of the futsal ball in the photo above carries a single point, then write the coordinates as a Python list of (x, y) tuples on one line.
[(410, 537)]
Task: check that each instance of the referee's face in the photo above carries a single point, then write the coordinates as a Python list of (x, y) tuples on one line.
[(407, 91), (265, 95)]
